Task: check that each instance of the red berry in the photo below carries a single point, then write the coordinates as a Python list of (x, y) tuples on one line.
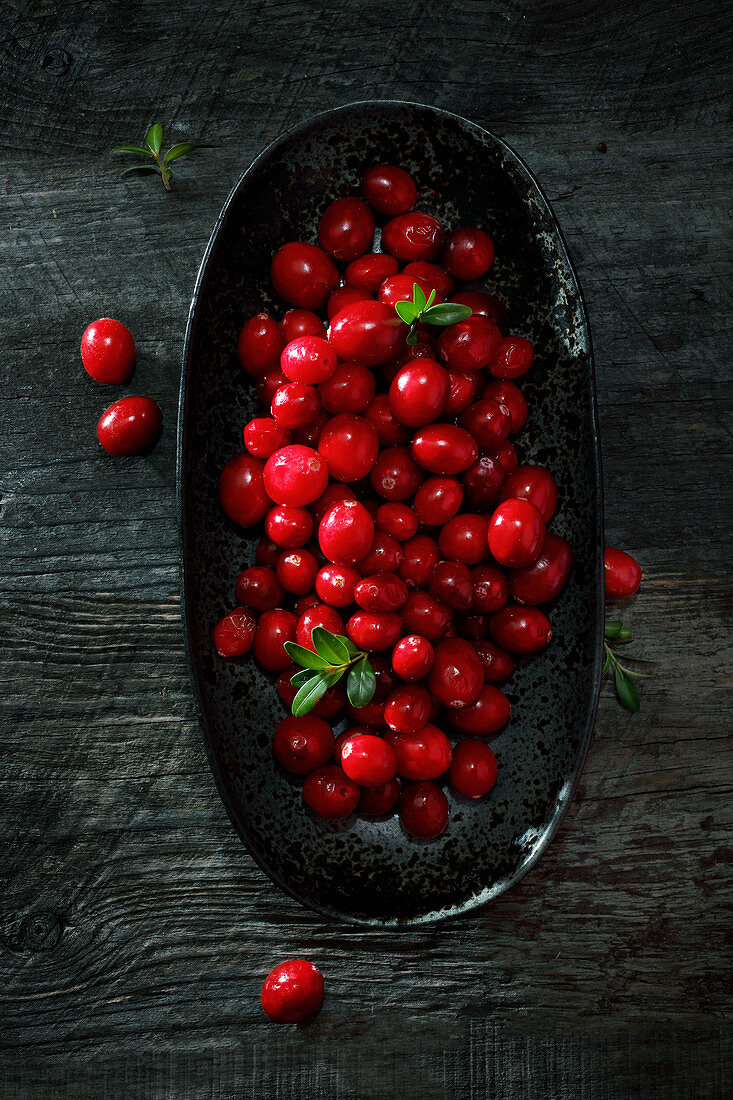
[(367, 332), (505, 454), (397, 520), (469, 345), (295, 475), (535, 484), (419, 557), (295, 405), (451, 582), (258, 588), (437, 500), (421, 754), (108, 351), (308, 359), (431, 274), (368, 759), (395, 475), (274, 628), (520, 629), (498, 664), (490, 588), (457, 675), (546, 577), (468, 253), (305, 603), (350, 389), (380, 591), (350, 446), (486, 716), (412, 658), (318, 615), (296, 571), (483, 305), (345, 533), (303, 274), (263, 436), (506, 393), (289, 527), (330, 793), (260, 343), (462, 393), (482, 483), (370, 715), (488, 423), (622, 573), (267, 552), (333, 494), (301, 322), (335, 584), (385, 555), (401, 288), (514, 358), (473, 770), (407, 709), (344, 296), (374, 630), (269, 384), (292, 992), (376, 801), (389, 429), (242, 491), (346, 229), (464, 538), (414, 236), (389, 189), (423, 614), (419, 392), (443, 449), (302, 744), (234, 633), (369, 272), (130, 425), (516, 533), (424, 810)]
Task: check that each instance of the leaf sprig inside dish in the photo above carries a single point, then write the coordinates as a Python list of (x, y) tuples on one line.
[(421, 310), (334, 655)]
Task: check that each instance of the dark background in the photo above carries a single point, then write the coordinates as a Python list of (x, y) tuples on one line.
[(135, 930)]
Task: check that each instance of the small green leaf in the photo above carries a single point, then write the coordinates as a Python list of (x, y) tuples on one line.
[(431, 299), (177, 151), (133, 149), (613, 628), (139, 168), (624, 635), (606, 665), (305, 657), (406, 312), (361, 683), (154, 137), (302, 677), (412, 337), (419, 299), (446, 313), (627, 692), (329, 647), (311, 692), (354, 651)]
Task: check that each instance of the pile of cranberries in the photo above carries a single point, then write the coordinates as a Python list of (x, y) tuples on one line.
[(395, 509)]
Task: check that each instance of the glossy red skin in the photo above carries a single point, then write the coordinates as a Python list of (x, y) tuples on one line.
[(310, 434), (395, 475), (473, 772), (108, 351), (423, 614), (260, 342), (516, 533), (419, 392), (380, 591), (498, 664), (346, 229), (274, 628), (303, 274), (490, 588), (263, 436), (406, 710), (622, 573), (401, 288), (350, 389), (301, 322), (367, 332), (419, 557), (292, 992), (258, 588), (289, 527), (130, 425), (318, 615), (335, 584), (433, 275), (412, 658), (482, 483), (296, 571), (467, 253), (457, 675), (346, 532), (304, 603), (376, 801), (233, 635), (269, 384), (391, 433), (545, 579), (295, 475), (424, 810), (344, 296), (371, 715), (462, 393), (514, 358), (444, 449), (330, 793), (535, 484), (309, 359), (506, 393), (486, 716), (437, 500), (368, 272), (369, 760), (350, 446), (520, 629), (425, 348), (505, 454), (333, 494), (242, 492), (470, 345), (396, 520), (385, 555), (451, 582), (484, 305), (374, 630), (302, 744), (267, 552), (421, 754), (388, 189), (296, 405), (343, 737), (464, 538), (414, 236), (488, 422)]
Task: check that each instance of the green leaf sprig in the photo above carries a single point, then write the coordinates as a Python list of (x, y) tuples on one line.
[(152, 150), (334, 655), (626, 689), (421, 309)]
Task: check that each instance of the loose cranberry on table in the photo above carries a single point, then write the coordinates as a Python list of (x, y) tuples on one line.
[(469, 345), (389, 189), (303, 274), (486, 716), (389, 430), (295, 475), (622, 573), (292, 992), (263, 436), (546, 577), (444, 449), (234, 633), (380, 591), (520, 629), (258, 588), (350, 446), (419, 557), (423, 614), (330, 793), (308, 359), (516, 533), (274, 628), (473, 771), (242, 492), (367, 332), (498, 664), (374, 630), (514, 358), (368, 760), (419, 392), (395, 475), (484, 305), (433, 275), (260, 342), (412, 658), (346, 532), (457, 675), (490, 588), (407, 709), (413, 236), (303, 744), (376, 801), (506, 393), (535, 484), (467, 253), (465, 538), (451, 581), (130, 425), (397, 520), (301, 322), (424, 810), (346, 229), (108, 351)]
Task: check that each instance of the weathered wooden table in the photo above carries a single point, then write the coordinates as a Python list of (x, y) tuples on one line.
[(135, 929)]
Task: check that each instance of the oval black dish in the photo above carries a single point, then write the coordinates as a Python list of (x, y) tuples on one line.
[(360, 870)]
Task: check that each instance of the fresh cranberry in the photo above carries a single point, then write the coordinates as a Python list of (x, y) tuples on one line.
[(305, 603), (376, 801), (367, 332), (397, 520), (369, 272), (419, 557), (296, 571), (274, 628), (390, 190), (535, 484), (412, 658), (514, 358), (350, 389), (419, 392), (292, 992), (545, 578), (263, 436), (234, 633), (490, 588), (380, 591), (108, 351), (520, 629), (242, 491), (464, 538), (384, 555), (423, 614), (346, 229), (295, 475), (302, 744), (462, 393), (457, 675), (333, 494), (309, 359), (130, 425), (330, 793), (484, 305), (421, 754), (389, 429), (437, 500), (498, 664), (486, 716), (318, 615), (401, 288), (425, 348), (407, 709), (505, 454), (444, 449), (258, 588), (267, 552), (468, 253), (344, 296), (350, 446), (451, 582), (303, 274), (335, 584), (301, 322), (431, 274), (345, 533), (516, 533), (424, 810), (260, 343), (374, 630), (414, 236), (473, 771), (368, 760), (482, 483), (289, 527), (395, 475), (469, 345), (488, 422), (506, 393), (622, 573), (269, 383), (370, 715), (295, 405)]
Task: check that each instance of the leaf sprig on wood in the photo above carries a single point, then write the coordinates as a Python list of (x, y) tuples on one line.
[(334, 656), (422, 310), (156, 162), (626, 689)]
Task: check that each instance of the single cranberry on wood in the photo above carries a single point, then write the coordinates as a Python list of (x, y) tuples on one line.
[(292, 992), (622, 573)]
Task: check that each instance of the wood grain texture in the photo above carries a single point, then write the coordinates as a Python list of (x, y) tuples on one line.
[(134, 929)]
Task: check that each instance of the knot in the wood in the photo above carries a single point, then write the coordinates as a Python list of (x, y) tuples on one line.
[(56, 61), (41, 931)]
